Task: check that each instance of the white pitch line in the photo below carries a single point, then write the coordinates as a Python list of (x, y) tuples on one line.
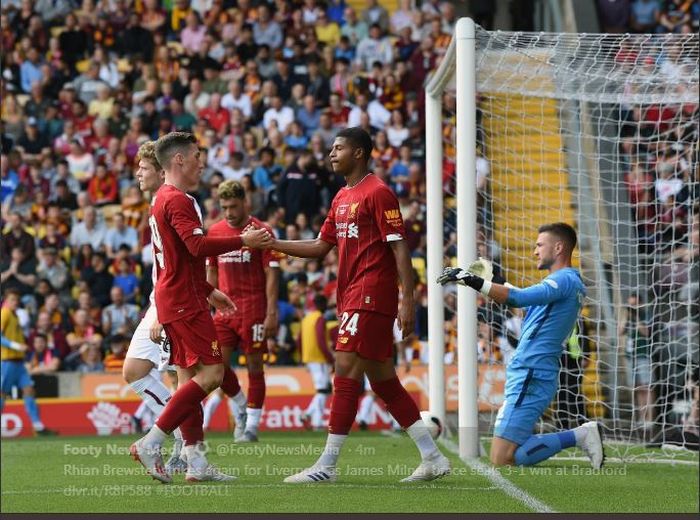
[(500, 481), (262, 486)]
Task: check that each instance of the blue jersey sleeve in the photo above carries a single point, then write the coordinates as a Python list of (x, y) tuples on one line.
[(549, 290)]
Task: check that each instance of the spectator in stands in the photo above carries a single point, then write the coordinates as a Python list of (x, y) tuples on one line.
[(10, 181), (376, 14), (674, 15), (81, 162), (52, 268), (635, 335), (42, 359), (121, 234), (103, 188), (31, 70), (114, 360), (119, 317), (17, 237), (90, 359), (298, 190), (374, 48), (644, 16), (98, 279), (53, 332), (266, 31), (18, 272), (236, 98), (89, 231)]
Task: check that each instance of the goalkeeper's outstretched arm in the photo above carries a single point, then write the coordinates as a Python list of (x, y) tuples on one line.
[(538, 294), (495, 291)]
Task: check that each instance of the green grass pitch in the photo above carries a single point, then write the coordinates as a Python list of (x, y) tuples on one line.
[(95, 474)]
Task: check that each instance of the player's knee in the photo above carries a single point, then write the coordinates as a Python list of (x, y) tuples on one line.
[(211, 378), (28, 391), (500, 458), (130, 375)]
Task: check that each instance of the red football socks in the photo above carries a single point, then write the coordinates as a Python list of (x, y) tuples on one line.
[(230, 384), (186, 401), (256, 390), (191, 427), (398, 401), (346, 392)]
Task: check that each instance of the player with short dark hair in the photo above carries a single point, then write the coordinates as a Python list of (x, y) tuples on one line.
[(365, 224), (532, 376), (183, 297), (250, 277)]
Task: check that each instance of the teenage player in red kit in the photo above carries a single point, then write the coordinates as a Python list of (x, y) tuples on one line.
[(365, 224), (180, 249), (250, 277)]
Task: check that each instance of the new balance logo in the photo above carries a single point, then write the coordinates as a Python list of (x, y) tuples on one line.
[(353, 230)]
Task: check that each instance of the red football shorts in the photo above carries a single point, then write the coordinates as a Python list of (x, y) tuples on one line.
[(369, 334), (193, 340), (241, 331)]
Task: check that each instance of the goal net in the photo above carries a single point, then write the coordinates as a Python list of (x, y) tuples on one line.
[(600, 131)]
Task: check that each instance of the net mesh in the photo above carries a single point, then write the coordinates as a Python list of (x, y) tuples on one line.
[(600, 131)]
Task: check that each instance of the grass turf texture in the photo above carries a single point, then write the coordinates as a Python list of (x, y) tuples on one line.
[(95, 474)]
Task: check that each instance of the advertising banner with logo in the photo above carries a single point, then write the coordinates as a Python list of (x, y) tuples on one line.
[(108, 404)]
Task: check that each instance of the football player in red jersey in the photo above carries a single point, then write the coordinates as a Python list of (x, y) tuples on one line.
[(250, 277), (365, 224), (180, 249)]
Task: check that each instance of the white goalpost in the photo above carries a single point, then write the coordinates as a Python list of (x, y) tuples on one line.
[(600, 131)]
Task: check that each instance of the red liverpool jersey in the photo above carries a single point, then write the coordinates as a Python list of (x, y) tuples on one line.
[(242, 271), (361, 221), (181, 287)]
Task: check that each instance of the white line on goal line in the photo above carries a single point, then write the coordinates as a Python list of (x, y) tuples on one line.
[(618, 460), (501, 482), (335, 485)]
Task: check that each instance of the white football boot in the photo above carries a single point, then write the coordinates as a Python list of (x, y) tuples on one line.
[(592, 443), (151, 459), (430, 469), (314, 475), (176, 464), (200, 470)]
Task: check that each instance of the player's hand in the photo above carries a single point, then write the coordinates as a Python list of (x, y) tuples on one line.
[(221, 302), (407, 317), (270, 325), (19, 347), (482, 268), (257, 238), (272, 346), (156, 332), (456, 275)]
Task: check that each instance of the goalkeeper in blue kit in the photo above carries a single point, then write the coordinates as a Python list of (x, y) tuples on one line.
[(532, 375)]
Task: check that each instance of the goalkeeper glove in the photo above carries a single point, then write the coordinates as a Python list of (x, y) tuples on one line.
[(460, 276), (481, 267)]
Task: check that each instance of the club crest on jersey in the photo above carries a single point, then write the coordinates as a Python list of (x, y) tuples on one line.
[(353, 209), (215, 348)]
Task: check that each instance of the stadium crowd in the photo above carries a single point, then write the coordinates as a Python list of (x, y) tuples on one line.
[(264, 86), (659, 163)]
